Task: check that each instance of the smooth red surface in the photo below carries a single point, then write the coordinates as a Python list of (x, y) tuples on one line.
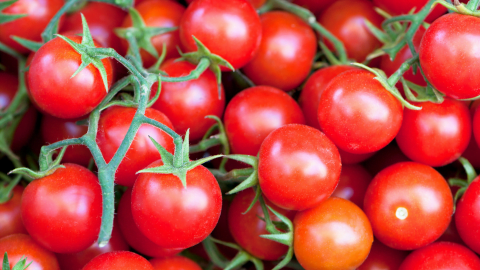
[(119, 260), (333, 235), (395, 7), (10, 214), (174, 263), (285, 55), (255, 112), (467, 216), (51, 88), (418, 190), (382, 257), (358, 114), (353, 184), (173, 216), (112, 128)]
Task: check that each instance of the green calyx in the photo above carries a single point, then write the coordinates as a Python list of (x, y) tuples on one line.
[(6, 187), (47, 166), (219, 260), (21, 264), (252, 179), (466, 9), (4, 18), (461, 183), (31, 45)]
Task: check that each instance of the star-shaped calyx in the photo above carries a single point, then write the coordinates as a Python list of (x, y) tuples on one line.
[(4, 18)]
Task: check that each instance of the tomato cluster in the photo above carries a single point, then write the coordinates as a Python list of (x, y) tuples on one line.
[(239, 134)]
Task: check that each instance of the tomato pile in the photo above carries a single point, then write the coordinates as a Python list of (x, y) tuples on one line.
[(239, 134)]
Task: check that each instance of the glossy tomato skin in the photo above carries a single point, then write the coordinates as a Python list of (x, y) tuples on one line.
[(286, 52), (247, 228), (313, 89), (353, 184), (39, 13), (335, 234), (298, 175), (382, 257), (10, 214), (158, 13), (62, 211), (437, 134), (119, 260), (441, 256), (187, 216), (255, 112), (358, 114), (467, 217), (174, 263), (345, 20), (448, 39), (132, 234), (51, 88), (404, 7), (409, 205), (230, 29), (22, 245), (187, 103), (112, 128)]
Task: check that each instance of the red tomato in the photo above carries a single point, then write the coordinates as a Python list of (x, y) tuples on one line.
[(52, 89), (187, 216), (76, 261), (132, 234), (472, 153), (441, 255), (451, 233), (448, 39), (353, 184), (286, 52), (255, 3), (230, 29), (112, 127), (396, 8), (10, 214), (335, 234), (382, 257), (62, 211), (39, 13), (158, 13), (174, 263), (349, 158), (315, 6), (222, 232), (389, 155), (22, 245), (187, 103), (476, 126), (56, 129), (313, 89), (299, 175), (255, 112), (437, 134), (467, 216), (409, 205), (247, 228), (345, 20), (358, 114), (118, 260)]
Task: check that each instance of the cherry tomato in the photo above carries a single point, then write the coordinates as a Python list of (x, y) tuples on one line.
[(62, 211), (119, 260), (187, 103), (358, 114), (230, 29), (53, 90), (246, 228), (345, 20), (174, 263), (112, 127), (353, 184), (382, 257), (335, 234), (187, 216), (255, 112), (404, 7), (448, 39), (298, 174), (286, 51), (467, 216), (441, 255), (315, 6), (437, 134), (22, 245), (409, 205), (476, 126), (10, 214), (451, 234), (222, 232)]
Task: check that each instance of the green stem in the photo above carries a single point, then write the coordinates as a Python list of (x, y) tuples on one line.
[(395, 77), (201, 67), (473, 5), (48, 33), (105, 177), (337, 44), (204, 145)]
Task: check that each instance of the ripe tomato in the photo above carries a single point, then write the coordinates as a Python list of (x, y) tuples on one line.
[(358, 114), (396, 8), (286, 52), (335, 234), (255, 112), (437, 134), (383, 257), (10, 214), (119, 260), (353, 184), (476, 126), (230, 29), (409, 205), (39, 13), (158, 13), (62, 211), (174, 263), (247, 228), (345, 20), (187, 103), (467, 216), (187, 216), (298, 175), (52, 89), (112, 127), (349, 158), (448, 39), (22, 245)]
